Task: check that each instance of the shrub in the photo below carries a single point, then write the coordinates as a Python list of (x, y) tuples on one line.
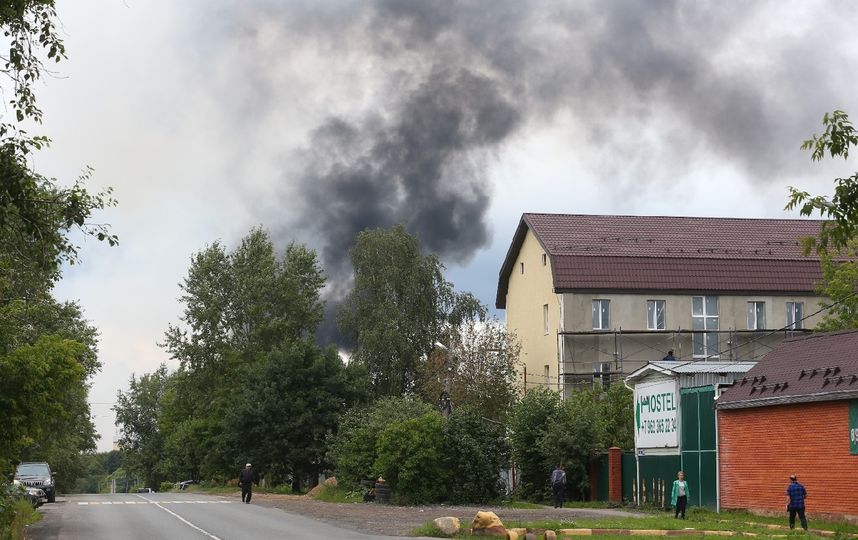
[(475, 451), (167, 486), (353, 449), (529, 423), (410, 458)]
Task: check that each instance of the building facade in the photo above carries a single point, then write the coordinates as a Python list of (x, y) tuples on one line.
[(597, 297), (795, 412)]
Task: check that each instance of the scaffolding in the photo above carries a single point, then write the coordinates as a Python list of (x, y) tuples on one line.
[(608, 356)]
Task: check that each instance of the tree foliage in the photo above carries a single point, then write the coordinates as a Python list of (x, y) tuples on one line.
[(353, 450), (410, 458), (483, 365), (251, 385), (840, 284), (289, 404), (547, 430), (529, 423), (838, 236), (841, 211), (397, 308), (475, 452), (48, 350), (137, 411)]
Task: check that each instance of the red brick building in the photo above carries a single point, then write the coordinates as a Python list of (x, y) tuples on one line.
[(795, 412)]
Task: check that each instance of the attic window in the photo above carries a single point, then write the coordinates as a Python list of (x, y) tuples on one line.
[(521, 267), (544, 259)]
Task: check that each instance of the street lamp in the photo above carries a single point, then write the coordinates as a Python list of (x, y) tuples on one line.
[(445, 403)]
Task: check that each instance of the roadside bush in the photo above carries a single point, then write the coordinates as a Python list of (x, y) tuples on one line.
[(423, 456), (475, 451), (15, 514), (410, 459), (166, 486), (529, 424), (353, 450)]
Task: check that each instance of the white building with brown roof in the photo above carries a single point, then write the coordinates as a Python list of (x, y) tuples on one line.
[(600, 296)]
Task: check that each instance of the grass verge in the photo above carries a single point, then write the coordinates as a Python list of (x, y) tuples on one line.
[(338, 494), (24, 515), (430, 529)]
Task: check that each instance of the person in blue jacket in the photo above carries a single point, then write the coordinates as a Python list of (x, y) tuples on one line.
[(795, 502), (679, 495)]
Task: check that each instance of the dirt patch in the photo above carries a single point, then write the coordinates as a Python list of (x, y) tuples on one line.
[(400, 520)]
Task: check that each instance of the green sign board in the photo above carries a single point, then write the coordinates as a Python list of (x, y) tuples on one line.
[(853, 426)]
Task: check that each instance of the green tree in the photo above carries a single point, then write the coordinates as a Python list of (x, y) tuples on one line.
[(474, 452), (290, 403), (529, 423), (137, 412), (397, 308), (573, 432), (40, 390), (840, 284), (838, 236), (618, 414), (47, 350), (841, 211), (240, 305), (482, 364)]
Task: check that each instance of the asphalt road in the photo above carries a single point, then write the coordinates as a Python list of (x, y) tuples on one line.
[(150, 516)]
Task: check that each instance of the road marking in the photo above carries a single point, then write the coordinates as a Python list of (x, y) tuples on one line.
[(96, 503), (180, 518)]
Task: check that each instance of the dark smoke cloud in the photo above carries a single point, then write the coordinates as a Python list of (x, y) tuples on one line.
[(653, 87), (419, 167)]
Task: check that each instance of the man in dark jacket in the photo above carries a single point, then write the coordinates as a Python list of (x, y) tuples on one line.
[(245, 480), (558, 485)]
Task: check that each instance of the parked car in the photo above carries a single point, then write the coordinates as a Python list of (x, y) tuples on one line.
[(37, 474), (145, 490), (35, 496)]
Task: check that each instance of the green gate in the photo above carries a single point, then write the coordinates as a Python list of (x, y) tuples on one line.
[(697, 429)]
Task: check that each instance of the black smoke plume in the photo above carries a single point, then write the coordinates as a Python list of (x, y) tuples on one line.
[(648, 89)]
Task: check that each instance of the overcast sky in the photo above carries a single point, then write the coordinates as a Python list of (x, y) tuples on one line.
[(318, 119)]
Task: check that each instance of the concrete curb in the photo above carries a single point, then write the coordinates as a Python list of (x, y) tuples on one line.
[(656, 532)]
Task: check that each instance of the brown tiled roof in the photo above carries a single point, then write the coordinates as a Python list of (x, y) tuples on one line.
[(627, 253), (818, 367)]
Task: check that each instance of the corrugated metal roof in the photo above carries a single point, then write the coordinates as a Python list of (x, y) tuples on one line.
[(670, 253), (706, 367), (691, 374), (818, 367)]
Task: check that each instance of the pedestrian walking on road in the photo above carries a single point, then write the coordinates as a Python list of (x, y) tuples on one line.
[(679, 495), (796, 494), (245, 480), (558, 485)]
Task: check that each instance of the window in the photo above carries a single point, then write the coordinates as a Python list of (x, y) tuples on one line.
[(545, 317), (521, 267), (601, 314), (795, 314), (544, 259), (756, 315), (547, 370), (655, 314), (704, 316)]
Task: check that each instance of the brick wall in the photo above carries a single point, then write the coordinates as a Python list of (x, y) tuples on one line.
[(760, 447)]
